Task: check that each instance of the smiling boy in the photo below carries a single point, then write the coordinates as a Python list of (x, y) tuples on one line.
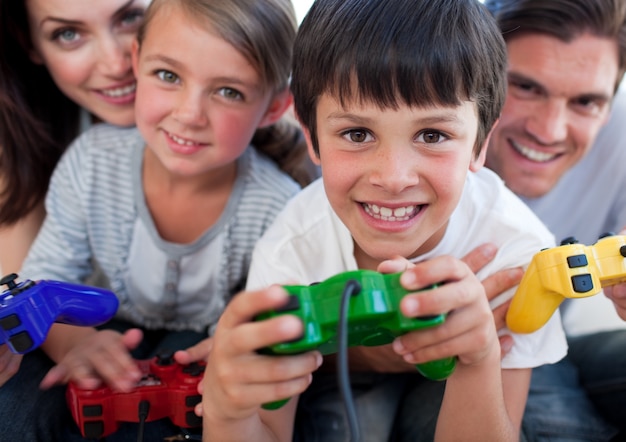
[(397, 99)]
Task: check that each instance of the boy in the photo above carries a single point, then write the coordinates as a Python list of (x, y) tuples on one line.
[(397, 99)]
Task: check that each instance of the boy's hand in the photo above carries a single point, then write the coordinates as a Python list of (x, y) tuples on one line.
[(101, 356), (9, 363), (238, 380), (468, 332)]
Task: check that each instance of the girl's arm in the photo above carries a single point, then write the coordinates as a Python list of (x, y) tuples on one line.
[(15, 240)]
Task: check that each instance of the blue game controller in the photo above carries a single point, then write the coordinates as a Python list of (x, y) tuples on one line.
[(28, 309)]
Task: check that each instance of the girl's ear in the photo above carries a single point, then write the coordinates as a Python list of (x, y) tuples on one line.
[(479, 161), (280, 103)]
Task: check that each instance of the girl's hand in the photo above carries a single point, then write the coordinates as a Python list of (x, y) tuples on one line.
[(9, 363), (101, 356)]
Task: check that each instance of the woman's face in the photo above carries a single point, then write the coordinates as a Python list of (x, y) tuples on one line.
[(86, 46)]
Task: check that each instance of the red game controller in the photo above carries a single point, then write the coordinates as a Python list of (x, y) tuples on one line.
[(166, 390)]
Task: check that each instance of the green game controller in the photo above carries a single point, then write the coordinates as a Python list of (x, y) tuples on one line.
[(373, 318)]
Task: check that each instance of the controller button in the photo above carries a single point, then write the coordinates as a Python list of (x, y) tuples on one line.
[(21, 342), (292, 304), (582, 283), (10, 322), (165, 357), (192, 419), (92, 410), (193, 369), (577, 261), (93, 430), (569, 240), (192, 401), (622, 251)]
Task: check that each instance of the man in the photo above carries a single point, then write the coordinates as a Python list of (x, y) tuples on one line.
[(566, 62)]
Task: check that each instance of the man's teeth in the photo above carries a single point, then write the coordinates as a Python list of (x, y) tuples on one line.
[(532, 154), (120, 91), (389, 214), (181, 141)]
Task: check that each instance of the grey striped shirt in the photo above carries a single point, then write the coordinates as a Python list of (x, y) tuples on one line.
[(96, 210)]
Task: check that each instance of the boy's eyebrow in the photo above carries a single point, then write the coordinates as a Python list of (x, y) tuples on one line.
[(440, 117), (76, 22)]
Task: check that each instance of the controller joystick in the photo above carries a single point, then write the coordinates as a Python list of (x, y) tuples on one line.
[(168, 388), (373, 318), (571, 270), (28, 309)]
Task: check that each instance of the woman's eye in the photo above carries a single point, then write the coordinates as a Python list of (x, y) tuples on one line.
[(167, 76), (356, 135), (66, 35)]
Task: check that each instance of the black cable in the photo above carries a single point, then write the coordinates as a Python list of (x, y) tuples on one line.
[(352, 288), (144, 409)]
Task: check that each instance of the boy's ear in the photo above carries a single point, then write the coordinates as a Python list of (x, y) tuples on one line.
[(479, 161), (315, 158), (280, 103), (134, 53)]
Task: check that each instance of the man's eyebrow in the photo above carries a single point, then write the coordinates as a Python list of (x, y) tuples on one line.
[(76, 22), (587, 96)]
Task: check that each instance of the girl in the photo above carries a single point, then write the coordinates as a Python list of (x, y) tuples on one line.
[(170, 209)]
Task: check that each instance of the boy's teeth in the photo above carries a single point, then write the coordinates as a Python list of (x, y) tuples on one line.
[(389, 214)]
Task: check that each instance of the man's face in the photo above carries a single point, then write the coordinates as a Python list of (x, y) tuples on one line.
[(558, 98)]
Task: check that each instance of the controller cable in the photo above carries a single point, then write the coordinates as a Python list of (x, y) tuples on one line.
[(144, 409), (352, 288)]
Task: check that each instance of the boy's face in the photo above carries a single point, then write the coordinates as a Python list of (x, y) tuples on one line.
[(558, 99), (394, 176)]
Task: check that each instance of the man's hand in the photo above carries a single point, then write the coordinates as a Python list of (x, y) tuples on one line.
[(497, 284), (617, 293)]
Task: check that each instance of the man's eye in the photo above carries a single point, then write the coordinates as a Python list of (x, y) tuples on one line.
[(167, 76)]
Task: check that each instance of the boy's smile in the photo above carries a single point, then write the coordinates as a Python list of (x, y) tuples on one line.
[(394, 176)]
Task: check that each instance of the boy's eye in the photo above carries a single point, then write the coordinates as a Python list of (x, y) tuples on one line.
[(356, 135), (167, 76), (230, 93), (430, 137)]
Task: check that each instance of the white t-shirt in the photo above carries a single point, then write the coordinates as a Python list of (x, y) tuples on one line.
[(308, 243)]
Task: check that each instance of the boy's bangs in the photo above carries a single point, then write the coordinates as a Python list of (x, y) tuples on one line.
[(420, 85)]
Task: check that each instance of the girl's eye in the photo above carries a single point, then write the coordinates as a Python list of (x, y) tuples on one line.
[(430, 137), (357, 135), (231, 94), (167, 76)]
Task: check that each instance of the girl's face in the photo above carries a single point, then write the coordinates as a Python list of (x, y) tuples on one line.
[(86, 46), (199, 100)]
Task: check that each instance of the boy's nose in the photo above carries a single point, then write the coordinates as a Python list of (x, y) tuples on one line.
[(394, 171)]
